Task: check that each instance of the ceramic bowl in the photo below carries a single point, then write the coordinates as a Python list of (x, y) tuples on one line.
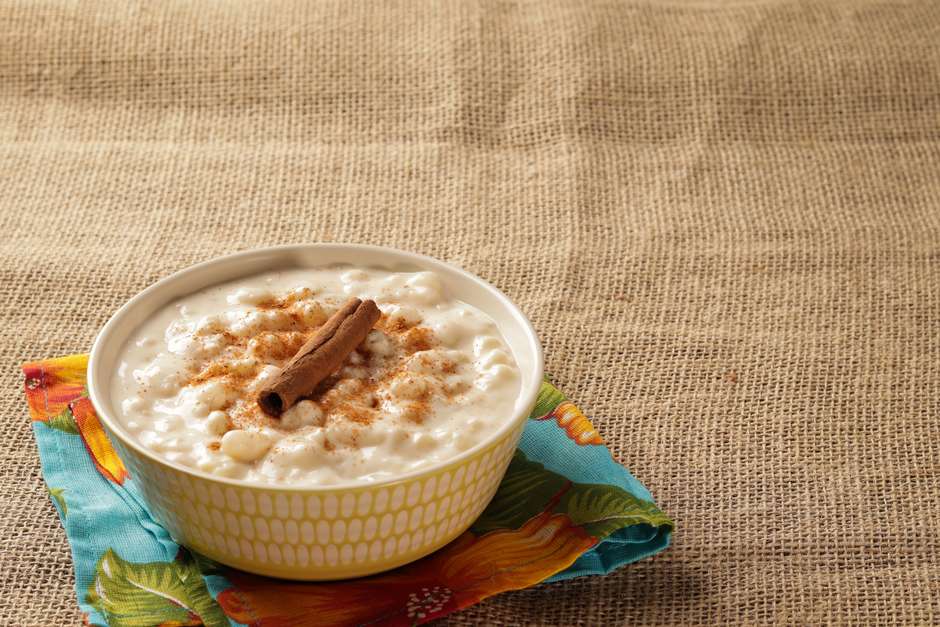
[(309, 532)]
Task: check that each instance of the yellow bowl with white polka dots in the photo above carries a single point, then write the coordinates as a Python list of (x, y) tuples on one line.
[(311, 532)]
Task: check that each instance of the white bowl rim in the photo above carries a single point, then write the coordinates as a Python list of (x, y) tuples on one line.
[(520, 414)]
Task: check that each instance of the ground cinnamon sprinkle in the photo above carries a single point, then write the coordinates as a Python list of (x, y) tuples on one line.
[(418, 339), (417, 411), (344, 403), (213, 371), (350, 411), (398, 325), (448, 367), (278, 345), (342, 398), (285, 302)]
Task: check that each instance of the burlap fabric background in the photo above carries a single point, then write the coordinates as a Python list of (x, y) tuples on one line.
[(723, 218)]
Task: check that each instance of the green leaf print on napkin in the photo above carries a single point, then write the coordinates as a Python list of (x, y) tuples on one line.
[(152, 593), (64, 421), (529, 489), (525, 491), (548, 399), (58, 496), (602, 509)]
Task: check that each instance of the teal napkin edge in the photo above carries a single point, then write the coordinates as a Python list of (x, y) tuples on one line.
[(594, 464)]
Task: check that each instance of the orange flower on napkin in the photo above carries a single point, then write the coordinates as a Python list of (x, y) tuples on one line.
[(55, 392), (465, 572), (52, 384), (96, 441)]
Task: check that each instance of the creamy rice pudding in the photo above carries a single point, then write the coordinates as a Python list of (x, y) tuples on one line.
[(431, 379)]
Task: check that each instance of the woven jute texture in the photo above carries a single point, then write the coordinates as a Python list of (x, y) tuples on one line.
[(723, 219)]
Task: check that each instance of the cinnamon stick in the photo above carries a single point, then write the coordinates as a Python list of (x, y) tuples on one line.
[(320, 356)]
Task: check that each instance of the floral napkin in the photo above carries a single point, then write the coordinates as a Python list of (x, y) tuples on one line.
[(565, 509)]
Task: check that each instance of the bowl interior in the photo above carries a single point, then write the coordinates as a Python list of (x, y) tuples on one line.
[(514, 326)]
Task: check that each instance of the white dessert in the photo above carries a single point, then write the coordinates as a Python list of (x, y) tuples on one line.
[(432, 379)]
